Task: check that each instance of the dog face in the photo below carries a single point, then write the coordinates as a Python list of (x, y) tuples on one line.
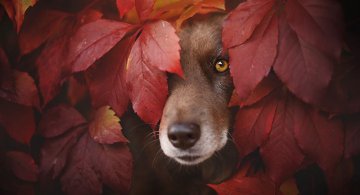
[(195, 119)]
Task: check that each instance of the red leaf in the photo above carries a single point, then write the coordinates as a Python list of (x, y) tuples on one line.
[(339, 178), (264, 88), (124, 6), (160, 47), (52, 67), (352, 136), (107, 79), (289, 187), (9, 8), (55, 154), (146, 84), (16, 10), (58, 120), (303, 68), (342, 96), (17, 120), (258, 56), (241, 22), (324, 18), (15, 86), (114, 165), (6, 76), (91, 163), (83, 165), (22, 165), (24, 91), (144, 8), (199, 7), (319, 138), (35, 32), (55, 61), (79, 176), (105, 127), (306, 57), (95, 39), (281, 154), (77, 90), (239, 184), (253, 125)]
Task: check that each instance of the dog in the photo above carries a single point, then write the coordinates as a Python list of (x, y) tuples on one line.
[(196, 119), (194, 146)]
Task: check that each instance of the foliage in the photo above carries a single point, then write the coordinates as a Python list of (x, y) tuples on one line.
[(294, 82)]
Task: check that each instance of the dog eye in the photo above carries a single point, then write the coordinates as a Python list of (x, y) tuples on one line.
[(221, 65)]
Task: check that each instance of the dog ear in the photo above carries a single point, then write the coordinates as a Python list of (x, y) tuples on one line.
[(232, 4), (222, 165)]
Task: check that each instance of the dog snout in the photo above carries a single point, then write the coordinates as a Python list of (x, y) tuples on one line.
[(184, 135)]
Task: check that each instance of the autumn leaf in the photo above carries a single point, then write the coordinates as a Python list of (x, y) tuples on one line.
[(289, 187), (124, 6), (59, 119), (25, 91), (320, 138), (341, 96), (253, 125), (18, 94), (16, 10), (238, 184), (22, 165), (232, 4), (106, 79), (144, 8), (15, 86), (147, 87), (298, 100), (94, 39), (160, 47), (324, 20), (295, 57), (168, 10), (339, 178), (303, 63), (352, 135), (55, 153), (258, 53), (156, 49), (77, 90), (281, 154), (304, 59), (264, 88), (18, 121), (6, 73), (91, 163), (81, 164), (200, 7), (242, 21), (105, 127), (55, 61), (30, 37)]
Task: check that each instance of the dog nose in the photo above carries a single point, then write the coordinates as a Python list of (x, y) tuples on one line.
[(184, 135)]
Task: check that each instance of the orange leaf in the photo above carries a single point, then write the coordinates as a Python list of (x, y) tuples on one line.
[(105, 127), (202, 7), (289, 187), (16, 10)]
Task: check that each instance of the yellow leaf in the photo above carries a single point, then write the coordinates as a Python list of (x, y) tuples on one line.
[(289, 187), (105, 127)]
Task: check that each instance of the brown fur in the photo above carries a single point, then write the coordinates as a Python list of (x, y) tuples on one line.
[(200, 97), (201, 88)]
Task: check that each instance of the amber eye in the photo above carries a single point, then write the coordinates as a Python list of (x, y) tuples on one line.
[(221, 65)]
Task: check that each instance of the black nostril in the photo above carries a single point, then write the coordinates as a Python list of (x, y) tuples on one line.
[(184, 135)]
